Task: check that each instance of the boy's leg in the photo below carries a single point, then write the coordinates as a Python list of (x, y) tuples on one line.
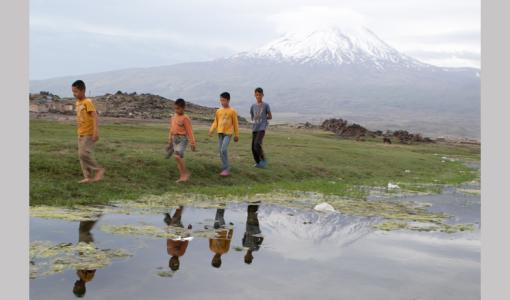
[(224, 152), (87, 161), (261, 136), (253, 148), (184, 174), (220, 144), (179, 165), (81, 149)]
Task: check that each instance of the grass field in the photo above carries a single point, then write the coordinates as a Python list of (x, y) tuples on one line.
[(305, 160)]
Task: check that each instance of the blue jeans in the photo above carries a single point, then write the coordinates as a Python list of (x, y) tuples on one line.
[(224, 140)]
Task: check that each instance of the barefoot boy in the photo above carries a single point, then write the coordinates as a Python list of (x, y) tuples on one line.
[(180, 134), (260, 112), (88, 134), (226, 124)]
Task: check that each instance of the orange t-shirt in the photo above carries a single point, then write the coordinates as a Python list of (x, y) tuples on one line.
[(176, 247), (84, 119), (181, 125)]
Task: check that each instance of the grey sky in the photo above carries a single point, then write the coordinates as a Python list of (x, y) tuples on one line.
[(77, 37)]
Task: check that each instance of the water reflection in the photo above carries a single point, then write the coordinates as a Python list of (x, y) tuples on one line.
[(176, 247), (252, 238), (220, 244), (84, 276), (330, 256)]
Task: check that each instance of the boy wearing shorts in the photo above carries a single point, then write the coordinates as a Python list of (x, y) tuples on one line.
[(180, 133)]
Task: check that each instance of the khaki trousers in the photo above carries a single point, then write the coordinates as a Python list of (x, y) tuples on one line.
[(87, 161)]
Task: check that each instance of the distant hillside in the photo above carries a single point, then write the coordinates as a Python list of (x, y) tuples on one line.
[(313, 76), (122, 105)]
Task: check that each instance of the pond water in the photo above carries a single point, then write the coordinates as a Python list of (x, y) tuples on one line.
[(271, 252)]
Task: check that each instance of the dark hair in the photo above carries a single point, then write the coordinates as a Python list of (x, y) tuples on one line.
[(216, 261), (79, 288), (259, 90), (225, 95), (180, 102), (79, 84), (174, 263)]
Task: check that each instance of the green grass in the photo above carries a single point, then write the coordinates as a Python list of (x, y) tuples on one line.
[(305, 160)]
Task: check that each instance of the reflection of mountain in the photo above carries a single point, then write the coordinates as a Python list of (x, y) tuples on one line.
[(321, 238)]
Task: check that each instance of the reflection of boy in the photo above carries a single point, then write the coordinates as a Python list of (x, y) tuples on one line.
[(84, 236), (176, 247), (220, 244), (252, 239)]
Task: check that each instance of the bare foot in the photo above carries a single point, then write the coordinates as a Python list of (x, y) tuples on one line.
[(85, 180), (179, 180), (99, 175), (186, 176)]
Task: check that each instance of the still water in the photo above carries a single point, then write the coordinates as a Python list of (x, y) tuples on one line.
[(272, 252)]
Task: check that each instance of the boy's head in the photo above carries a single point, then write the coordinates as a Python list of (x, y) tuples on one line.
[(79, 288), (179, 106), (259, 94), (216, 260), (225, 99), (174, 263), (78, 88), (248, 258)]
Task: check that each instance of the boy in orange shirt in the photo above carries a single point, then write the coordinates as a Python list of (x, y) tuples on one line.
[(180, 134), (226, 124), (88, 134)]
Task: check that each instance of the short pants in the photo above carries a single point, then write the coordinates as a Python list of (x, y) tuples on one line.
[(180, 142)]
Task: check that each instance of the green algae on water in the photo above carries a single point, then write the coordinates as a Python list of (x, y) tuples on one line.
[(447, 228), (143, 230), (48, 258), (78, 213)]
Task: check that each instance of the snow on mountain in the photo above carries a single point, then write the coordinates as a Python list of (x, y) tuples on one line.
[(303, 235), (334, 46)]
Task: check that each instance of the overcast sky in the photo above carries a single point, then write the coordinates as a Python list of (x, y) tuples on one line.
[(78, 37)]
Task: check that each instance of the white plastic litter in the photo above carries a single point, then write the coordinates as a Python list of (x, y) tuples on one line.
[(393, 186), (324, 207)]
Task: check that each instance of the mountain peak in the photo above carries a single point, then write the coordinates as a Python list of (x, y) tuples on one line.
[(332, 46)]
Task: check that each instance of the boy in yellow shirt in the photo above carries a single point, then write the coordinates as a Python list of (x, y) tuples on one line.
[(226, 124), (88, 134), (180, 134)]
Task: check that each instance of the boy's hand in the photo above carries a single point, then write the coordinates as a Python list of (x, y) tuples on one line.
[(210, 133), (95, 138), (193, 148), (236, 139)]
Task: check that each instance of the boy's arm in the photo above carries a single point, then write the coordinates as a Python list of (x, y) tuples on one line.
[(269, 114), (91, 109), (95, 134), (170, 131), (189, 132), (251, 112), (236, 127), (214, 124)]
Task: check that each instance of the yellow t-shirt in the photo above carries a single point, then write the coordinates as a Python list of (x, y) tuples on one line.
[(225, 121), (84, 120)]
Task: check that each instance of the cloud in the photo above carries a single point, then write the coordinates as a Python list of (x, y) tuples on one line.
[(167, 32), (309, 18)]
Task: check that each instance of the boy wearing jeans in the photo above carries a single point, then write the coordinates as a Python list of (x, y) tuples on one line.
[(226, 124), (88, 134), (260, 113)]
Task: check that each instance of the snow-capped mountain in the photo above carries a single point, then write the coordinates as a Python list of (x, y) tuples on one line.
[(309, 76), (301, 235), (332, 45)]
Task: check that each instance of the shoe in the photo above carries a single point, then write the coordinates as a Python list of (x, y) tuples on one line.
[(256, 165), (262, 164), (225, 173)]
